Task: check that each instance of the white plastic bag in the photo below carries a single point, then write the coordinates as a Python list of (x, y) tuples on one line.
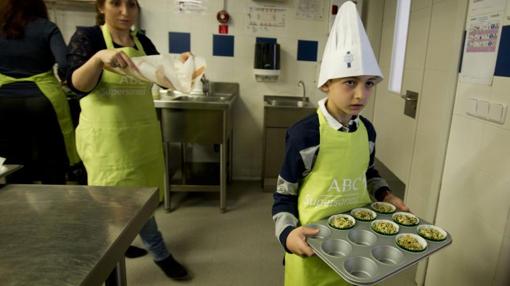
[(174, 72)]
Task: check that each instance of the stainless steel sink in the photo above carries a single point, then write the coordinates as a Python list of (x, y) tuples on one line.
[(195, 118), (280, 112), (203, 98), (287, 101), (292, 103)]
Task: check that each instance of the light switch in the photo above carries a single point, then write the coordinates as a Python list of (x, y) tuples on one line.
[(482, 109), (497, 112), (471, 106)]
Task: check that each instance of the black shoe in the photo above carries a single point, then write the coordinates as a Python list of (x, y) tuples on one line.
[(173, 269), (134, 252)]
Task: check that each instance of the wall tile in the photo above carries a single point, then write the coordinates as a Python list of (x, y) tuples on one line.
[(179, 42), (503, 60), (223, 45), (307, 50)]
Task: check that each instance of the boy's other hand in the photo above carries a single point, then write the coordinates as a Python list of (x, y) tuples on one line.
[(396, 201), (296, 241)]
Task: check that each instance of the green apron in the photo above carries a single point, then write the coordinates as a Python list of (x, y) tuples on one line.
[(118, 137), (50, 87), (337, 183)]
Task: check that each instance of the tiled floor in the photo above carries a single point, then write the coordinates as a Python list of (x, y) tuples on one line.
[(236, 248)]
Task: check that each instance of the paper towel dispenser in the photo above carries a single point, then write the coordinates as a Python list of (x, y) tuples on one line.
[(267, 61)]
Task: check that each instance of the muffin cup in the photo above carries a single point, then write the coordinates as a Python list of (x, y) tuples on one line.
[(346, 216), (443, 233), (395, 215), (377, 221), (372, 214), (423, 243), (376, 206)]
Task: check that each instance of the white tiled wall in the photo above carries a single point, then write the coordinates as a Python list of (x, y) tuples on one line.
[(159, 17)]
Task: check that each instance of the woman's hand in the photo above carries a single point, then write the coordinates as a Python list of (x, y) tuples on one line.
[(111, 58), (396, 201), (86, 77), (296, 241)]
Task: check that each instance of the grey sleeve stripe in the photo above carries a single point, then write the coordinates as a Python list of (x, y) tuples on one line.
[(286, 188), (371, 146), (374, 184), (308, 156), (282, 220)]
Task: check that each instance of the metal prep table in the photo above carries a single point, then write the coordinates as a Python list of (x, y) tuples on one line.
[(198, 119), (6, 170), (69, 235)]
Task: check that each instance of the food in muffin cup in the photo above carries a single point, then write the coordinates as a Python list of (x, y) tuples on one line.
[(411, 242), (363, 214), (431, 232), (341, 221), (384, 226), (405, 218), (383, 207)]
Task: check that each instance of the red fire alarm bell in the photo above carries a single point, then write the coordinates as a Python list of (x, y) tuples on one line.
[(223, 29), (223, 17)]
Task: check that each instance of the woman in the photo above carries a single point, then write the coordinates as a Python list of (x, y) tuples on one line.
[(118, 136), (37, 129)]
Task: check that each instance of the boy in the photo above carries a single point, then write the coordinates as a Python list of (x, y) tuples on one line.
[(314, 182)]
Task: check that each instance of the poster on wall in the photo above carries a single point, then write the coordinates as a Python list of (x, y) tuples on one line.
[(266, 19), (481, 48), (190, 6), (310, 10), (477, 7)]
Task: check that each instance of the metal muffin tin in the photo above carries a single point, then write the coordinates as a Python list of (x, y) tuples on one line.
[(362, 256)]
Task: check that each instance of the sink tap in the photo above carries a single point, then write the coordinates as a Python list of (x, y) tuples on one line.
[(302, 84), (205, 85)]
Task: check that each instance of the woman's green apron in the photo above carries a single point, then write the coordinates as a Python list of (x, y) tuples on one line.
[(337, 183), (50, 87), (118, 137)]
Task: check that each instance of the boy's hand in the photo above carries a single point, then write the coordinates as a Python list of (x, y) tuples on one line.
[(296, 241), (396, 201)]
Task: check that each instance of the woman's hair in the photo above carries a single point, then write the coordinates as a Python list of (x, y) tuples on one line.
[(16, 14), (100, 16)]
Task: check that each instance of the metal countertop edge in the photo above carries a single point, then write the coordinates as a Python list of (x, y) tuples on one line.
[(102, 269)]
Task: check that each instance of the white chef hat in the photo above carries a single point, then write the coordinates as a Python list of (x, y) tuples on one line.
[(348, 51)]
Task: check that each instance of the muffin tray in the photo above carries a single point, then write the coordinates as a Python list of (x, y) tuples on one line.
[(362, 256)]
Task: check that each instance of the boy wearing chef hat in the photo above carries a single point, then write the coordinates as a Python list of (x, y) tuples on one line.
[(329, 161)]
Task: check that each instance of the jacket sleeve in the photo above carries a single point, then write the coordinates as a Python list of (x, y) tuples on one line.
[(285, 205)]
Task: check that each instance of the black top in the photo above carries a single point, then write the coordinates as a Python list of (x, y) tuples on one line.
[(87, 41), (36, 52)]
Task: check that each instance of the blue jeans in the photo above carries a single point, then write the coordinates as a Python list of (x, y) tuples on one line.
[(153, 240)]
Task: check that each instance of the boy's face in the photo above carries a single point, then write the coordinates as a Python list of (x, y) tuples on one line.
[(348, 96)]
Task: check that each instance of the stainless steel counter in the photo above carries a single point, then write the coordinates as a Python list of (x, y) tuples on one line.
[(280, 112), (197, 119), (6, 170), (221, 97), (68, 235)]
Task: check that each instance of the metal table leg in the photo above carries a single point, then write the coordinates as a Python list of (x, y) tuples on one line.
[(118, 275), (223, 176), (166, 185)]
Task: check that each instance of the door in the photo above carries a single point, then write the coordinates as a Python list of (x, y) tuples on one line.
[(395, 130), (414, 148)]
